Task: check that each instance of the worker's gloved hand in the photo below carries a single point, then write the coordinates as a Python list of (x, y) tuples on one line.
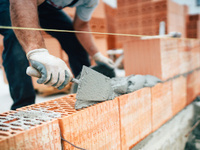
[(100, 59), (49, 69)]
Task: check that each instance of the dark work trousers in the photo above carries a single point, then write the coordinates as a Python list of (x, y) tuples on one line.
[(14, 58)]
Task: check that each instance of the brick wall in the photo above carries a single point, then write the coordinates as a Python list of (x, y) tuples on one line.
[(115, 124)]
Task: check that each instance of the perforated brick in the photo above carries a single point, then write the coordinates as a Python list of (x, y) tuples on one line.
[(179, 94), (96, 127), (135, 117), (29, 130), (161, 104)]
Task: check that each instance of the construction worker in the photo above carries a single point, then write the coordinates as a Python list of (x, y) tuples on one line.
[(31, 46)]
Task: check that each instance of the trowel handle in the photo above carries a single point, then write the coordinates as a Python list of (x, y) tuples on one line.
[(75, 80), (33, 72)]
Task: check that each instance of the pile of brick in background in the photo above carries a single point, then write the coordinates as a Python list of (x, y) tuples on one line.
[(143, 17), (116, 124), (193, 26)]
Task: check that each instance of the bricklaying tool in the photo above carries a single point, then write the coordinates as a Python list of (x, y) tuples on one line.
[(92, 85)]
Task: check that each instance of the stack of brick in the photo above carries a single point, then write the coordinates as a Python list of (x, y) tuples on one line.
[(143, 18), (163, 58), (193, 26), (116, 124)]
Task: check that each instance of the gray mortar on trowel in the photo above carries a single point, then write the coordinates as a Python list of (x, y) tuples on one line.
[(122, 85)]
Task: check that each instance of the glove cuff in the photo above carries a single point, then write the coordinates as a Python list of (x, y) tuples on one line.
[(97, 55), (32, 52)]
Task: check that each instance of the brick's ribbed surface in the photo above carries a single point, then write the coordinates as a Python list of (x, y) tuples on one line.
[(135, 114), (192, 86), (96, 127), (179, 95), (161, 104)]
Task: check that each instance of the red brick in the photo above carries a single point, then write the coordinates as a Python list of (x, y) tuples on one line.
[(152, 56), (36, 137), (135, 114), (179, 94), (161, 104), (192, 86), (96, 127)]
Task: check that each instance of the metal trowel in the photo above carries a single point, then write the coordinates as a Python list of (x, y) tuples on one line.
[(92, 85)]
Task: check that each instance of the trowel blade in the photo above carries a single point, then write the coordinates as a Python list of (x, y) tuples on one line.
[(94, 86)]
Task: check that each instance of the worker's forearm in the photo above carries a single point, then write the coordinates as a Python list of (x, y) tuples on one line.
[(24, 14), (86, 39)]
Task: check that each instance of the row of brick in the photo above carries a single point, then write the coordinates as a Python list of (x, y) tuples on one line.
[(144, 18), (116, 124), (163, 58)]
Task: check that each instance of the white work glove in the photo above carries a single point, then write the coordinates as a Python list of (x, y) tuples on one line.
[(100, 59), (49, 69)]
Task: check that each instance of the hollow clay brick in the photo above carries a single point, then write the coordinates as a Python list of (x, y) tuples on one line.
[(153, 56), (192, 86), (16, 136), (161, 104), (63, 105), (135, 117), (179, 94), (96, 127)]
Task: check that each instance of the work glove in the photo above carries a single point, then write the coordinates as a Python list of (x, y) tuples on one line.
[(49, 69), (100, 59)]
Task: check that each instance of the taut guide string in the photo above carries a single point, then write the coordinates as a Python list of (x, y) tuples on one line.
[(72, 31)]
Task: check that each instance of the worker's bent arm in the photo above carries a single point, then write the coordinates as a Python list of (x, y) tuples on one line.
[(86, 39), (24, 14)]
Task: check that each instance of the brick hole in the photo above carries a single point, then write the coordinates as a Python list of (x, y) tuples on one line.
[(16, 129), (39, 120), (16, 125), (2, 125), (28, 124), (3, 129), (27, 120), (13, 132), (3, 134)]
